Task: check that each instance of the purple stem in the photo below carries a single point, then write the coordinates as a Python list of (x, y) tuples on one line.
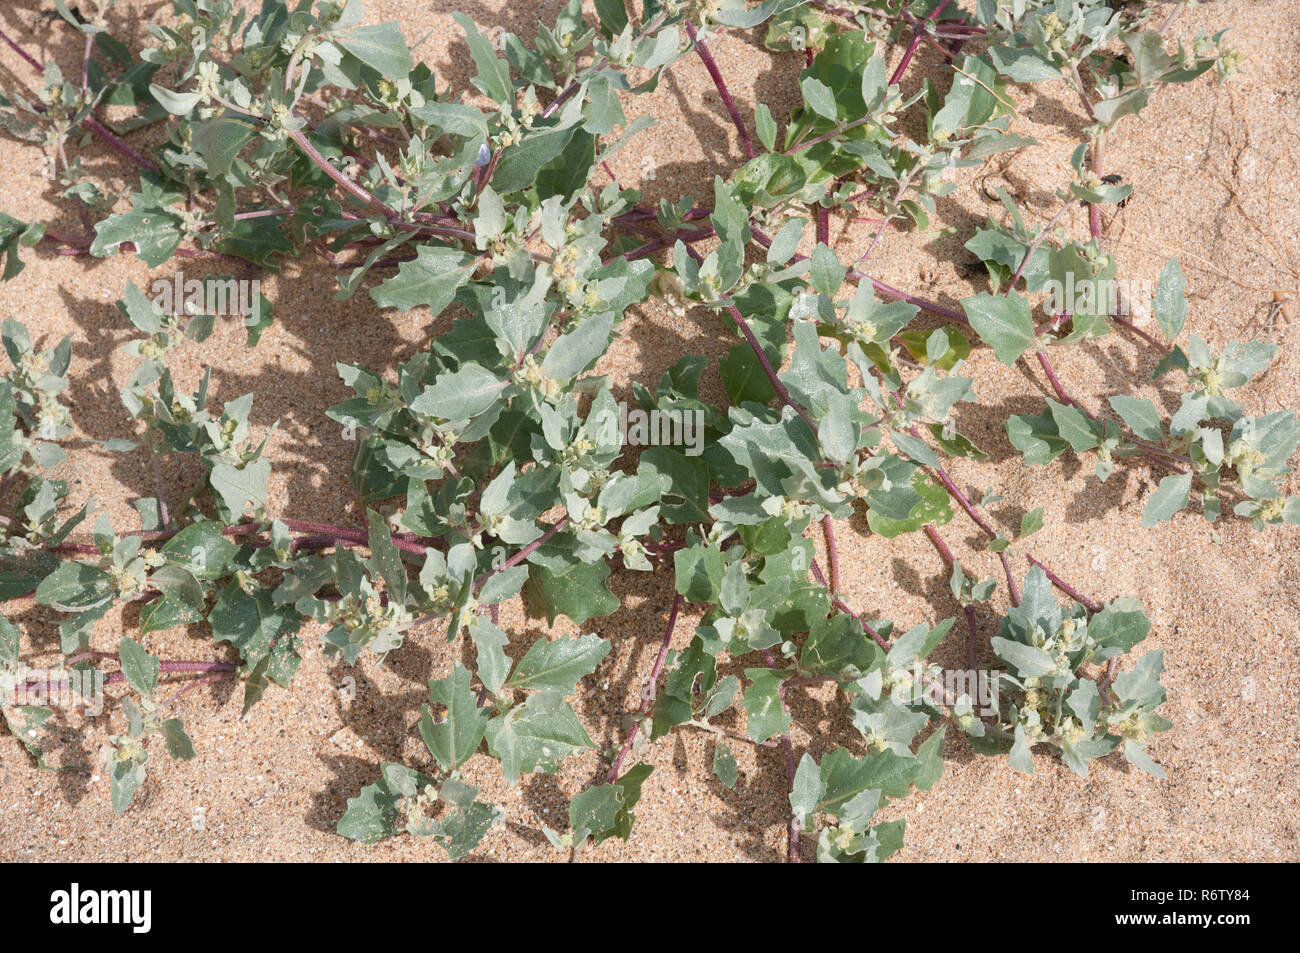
[(832, 554), (1090, 604), (781, 392), (706, 57), (917, 36), (972, 644), (887, 290), (840, 604), (790, 765), (527, 551), (651, 689), (1130, 326), (31, 60)]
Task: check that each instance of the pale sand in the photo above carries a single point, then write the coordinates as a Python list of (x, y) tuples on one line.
[(1223, 599)]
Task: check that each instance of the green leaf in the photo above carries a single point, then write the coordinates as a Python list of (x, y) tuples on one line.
[(1074, 428), (819, 97), (178, 742), (762, 704), (1167, 499), (579, 592), (239, 487), (454, 738), (1119, 626), (1021, 758), (827, 273), (492, 662), (930, 754), (1141, 415), (916, 643), (380, 46), (1031, 522), (155, 234), (686, 498), (176, 103), (429, 280), (373, 814), (1026, 660), (139, 667), (1004, 323), (75, 587), (557, 665), (253, 623), (385, 559), (520, 164), (218, 140), (536, 736), (1169, 303), (934, 506), (596, 809), (845, 777), (1141, 686), (181, 602), (493, 79), (1023, 65), (124, 777), (613, 17), (836, 642), (460, 395), (1036, 438), (698, 572), (724, 766), (10, 636), (806, 789), (202, 550), (574, 352), (744, 378)]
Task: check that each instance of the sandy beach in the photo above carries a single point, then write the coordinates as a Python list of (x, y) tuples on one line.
[(1216, 172)]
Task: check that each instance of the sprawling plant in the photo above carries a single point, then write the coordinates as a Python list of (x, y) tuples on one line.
[(495, 462)]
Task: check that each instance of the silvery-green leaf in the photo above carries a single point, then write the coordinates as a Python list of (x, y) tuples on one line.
[(724, 766), (453, 738), (573, 353), (558, 665), (460, 395), (1004, 323), (178, 742), (1168, 498), (762, 704), (139, 667), (536, 736), (430, 280), (493, 79), (380, 46), (1141, 415), (1169, 304)]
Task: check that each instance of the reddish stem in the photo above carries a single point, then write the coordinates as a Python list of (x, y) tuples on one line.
[(842, 606), (781, 392), (972, 644), (527, 551), (832, 555), (888, 290), (1090, 604), (1130, 326), (918, 35), (706, 57), (651, 688), (790, 764)]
